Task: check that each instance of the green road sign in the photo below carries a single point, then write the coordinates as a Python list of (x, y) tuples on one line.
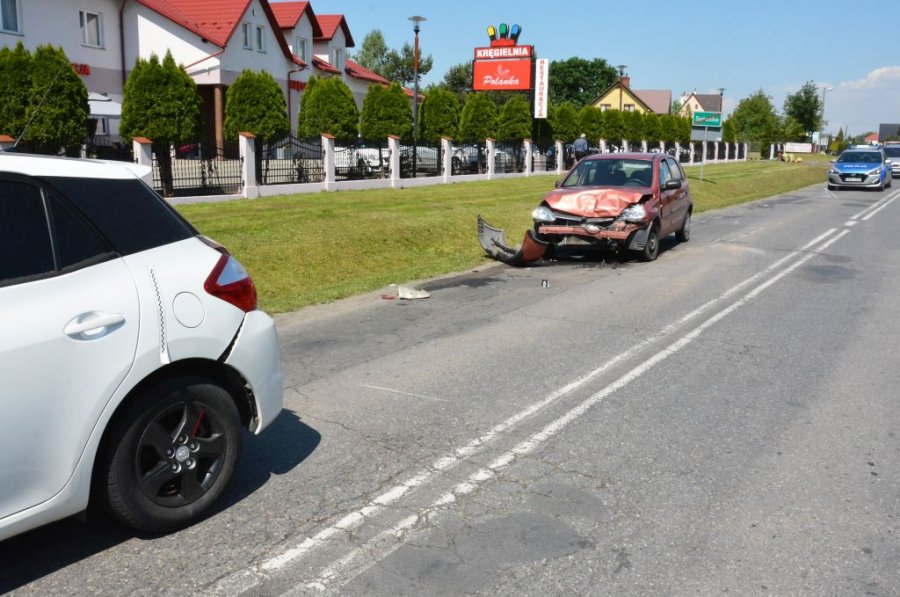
[(710, 119)]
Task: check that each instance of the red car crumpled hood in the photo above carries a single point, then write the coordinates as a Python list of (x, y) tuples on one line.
[(593, 203)]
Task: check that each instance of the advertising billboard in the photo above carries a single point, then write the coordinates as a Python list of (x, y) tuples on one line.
[(501, 75), (505, 65)]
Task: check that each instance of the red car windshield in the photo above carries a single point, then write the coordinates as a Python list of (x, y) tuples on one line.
[(611, 173)]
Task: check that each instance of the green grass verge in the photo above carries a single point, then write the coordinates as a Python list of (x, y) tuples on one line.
[(316, 248)]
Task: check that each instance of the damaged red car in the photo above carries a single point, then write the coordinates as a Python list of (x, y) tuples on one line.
[(618, 201)]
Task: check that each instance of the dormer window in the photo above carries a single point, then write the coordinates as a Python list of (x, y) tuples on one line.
[(337, 58), (245, 34), (260, 38), (301, 49)]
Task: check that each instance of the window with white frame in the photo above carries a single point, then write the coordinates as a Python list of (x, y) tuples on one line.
[(260, 38), (9, 16), (91, 28), (301, 49), (629, 107), (245, 32), (337, 58), (605, 107)]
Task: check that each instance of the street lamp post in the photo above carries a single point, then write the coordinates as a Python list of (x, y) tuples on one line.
[(825, 90), (416, 20)]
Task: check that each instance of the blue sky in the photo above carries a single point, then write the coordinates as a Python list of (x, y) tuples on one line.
[(703, 44)]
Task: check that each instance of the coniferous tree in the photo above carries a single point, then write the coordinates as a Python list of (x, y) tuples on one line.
[(478, 120), (58, 100), (256, 104), (161, 104), (386, 111), (15, 87), (514, 122), (591, 122), (614, 127), (439, 115), (330, 108), (564, 121)]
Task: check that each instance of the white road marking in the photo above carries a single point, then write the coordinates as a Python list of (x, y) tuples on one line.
[(887, 201), (877, 206), (393, 391), (362, 558), (475, 446), (850, 223)]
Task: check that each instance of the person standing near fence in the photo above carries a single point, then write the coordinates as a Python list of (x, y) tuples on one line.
[(581, 147)]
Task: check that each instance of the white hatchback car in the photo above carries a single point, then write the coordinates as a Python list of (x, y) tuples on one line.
[(132, 350)]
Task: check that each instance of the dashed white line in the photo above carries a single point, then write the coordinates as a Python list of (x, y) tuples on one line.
[(362, 558), (248, 578)]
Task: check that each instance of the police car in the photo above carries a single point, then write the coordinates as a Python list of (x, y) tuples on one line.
[(860, 167)]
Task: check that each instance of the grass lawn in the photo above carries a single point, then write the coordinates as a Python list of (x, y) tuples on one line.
[(315, 248)]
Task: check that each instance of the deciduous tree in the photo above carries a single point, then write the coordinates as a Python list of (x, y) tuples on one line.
[(579, 80), (755, 119), (805, 108)]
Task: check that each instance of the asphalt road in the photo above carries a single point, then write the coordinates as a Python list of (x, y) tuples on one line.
[(723, 420)]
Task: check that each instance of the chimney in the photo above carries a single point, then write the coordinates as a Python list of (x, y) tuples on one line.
[(626, 82)]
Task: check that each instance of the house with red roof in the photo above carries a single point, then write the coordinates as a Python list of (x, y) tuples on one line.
[(215, 40)]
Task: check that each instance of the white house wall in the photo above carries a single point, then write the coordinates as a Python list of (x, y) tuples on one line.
[(56, 22), (147, 32)]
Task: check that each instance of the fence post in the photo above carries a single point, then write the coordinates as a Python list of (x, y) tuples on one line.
[(643, 146), (626, 146), (746, 151), (772, 151), (715, 152), (6, 142), (490, 157), (447, 157), (529, 156), (560, 158), (328, 150), (394, 150), (602, 145), (247, 149), (143, 156)]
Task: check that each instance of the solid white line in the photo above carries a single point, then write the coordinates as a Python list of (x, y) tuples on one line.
[(887, 202), (877, 205), (362, 385), (459, 455), (349, 566)]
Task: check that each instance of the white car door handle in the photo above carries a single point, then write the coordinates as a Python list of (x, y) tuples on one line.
[(93, 324)]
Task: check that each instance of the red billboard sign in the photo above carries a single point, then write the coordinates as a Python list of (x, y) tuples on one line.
[(502, 75), (494, 53)]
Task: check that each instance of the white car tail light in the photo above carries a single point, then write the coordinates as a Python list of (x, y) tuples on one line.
[(230, 282)]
